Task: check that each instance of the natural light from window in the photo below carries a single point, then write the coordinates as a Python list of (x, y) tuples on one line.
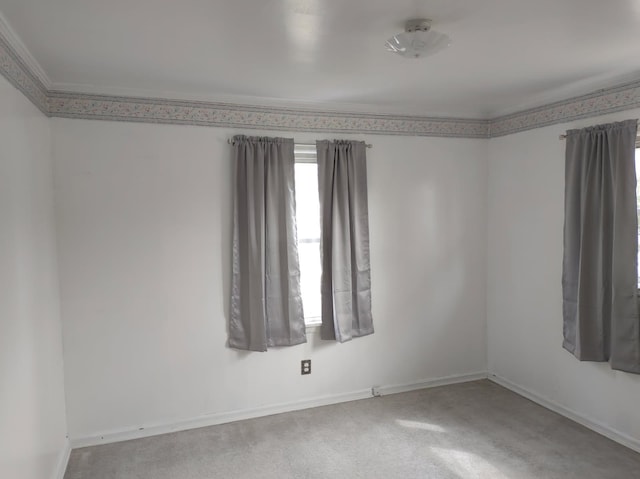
[(308, 222)]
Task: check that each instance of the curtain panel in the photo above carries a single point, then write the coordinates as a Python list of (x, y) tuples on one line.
[(599, 278), (266, 305), (344, 241)]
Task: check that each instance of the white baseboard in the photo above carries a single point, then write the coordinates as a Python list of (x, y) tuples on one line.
[(214, 419), (226, 417), (431, 383), (63, 461), (607, 431)]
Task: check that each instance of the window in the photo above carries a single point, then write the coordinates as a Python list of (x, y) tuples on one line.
[(308, 222)]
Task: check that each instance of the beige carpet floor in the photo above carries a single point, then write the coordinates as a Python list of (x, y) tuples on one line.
[(471, 430)]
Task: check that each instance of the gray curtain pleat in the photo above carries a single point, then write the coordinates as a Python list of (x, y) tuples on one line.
[(266, 305), (346, 273), (599, 278)]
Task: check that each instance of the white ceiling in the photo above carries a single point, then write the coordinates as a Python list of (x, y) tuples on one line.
[(506, 54)]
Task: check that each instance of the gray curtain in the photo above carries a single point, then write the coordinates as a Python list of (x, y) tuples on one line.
[(599, 278), (266, 306), (344, 242)]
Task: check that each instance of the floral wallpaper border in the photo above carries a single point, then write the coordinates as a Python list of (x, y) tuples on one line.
[(19, 75), (159, 110), (622, 97), (74, 105)]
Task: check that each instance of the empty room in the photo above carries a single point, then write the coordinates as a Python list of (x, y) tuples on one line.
[(319, 239)]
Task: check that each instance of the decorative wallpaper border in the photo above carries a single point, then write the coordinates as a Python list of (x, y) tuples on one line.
[(622, 97), (156, 110), (16, 71), (160, 110)]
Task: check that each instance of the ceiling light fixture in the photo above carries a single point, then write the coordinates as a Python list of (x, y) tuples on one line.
[(418, 40)]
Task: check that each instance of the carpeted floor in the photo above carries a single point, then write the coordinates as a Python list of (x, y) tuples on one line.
[(471, 430)]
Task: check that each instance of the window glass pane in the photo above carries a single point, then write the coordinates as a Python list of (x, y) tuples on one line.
[(310, 279), (307, 201), (308, 224)]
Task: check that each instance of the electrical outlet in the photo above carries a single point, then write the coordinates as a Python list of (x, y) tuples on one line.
[(305, 366)]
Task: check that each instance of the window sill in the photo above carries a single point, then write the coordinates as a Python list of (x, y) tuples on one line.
[(313, 327)]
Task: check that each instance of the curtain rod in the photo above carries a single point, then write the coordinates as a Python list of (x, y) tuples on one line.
[(563, 137), (304, 143)]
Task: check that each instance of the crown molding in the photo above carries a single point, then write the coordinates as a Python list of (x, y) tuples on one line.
[(19, 67), (24, 72)]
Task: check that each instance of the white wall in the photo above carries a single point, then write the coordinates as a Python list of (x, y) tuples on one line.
[(144, 222), (32, 413), (524, 301)]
